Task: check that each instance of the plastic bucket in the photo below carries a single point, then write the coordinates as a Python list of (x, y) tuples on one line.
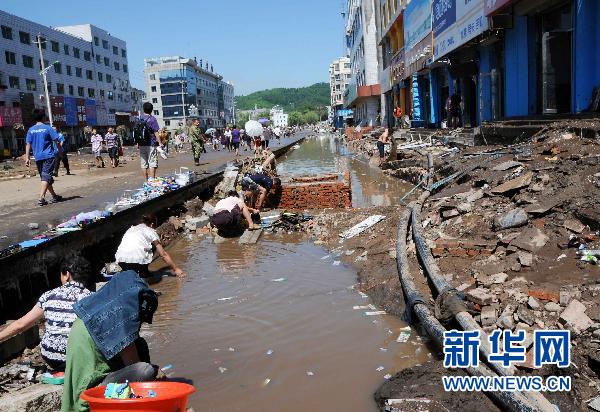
[(170, 397)]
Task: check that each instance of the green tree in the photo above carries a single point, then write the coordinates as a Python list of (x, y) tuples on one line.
[(295, 118), (242, 118), (310, 117)]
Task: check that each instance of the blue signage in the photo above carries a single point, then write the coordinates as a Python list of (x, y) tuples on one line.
[(443, 15), (90, 112), (417, 22), (71, 118)]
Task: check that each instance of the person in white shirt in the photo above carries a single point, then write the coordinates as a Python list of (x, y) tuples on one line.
[(229, 211), (135, 251)]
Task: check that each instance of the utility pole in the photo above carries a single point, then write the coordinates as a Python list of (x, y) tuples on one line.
[(43, 73)]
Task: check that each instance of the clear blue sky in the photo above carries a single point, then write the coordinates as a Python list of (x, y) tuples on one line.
[(254, 44)]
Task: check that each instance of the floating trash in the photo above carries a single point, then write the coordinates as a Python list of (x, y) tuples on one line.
[(266, 382), (379, 369), (387, 377), (269, 352), (226, 299), (279, 280), (222, 369), (309, 373), (404, 335), (375, 313)]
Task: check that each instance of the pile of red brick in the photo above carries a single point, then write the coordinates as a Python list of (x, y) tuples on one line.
[(318, 192), (352, 134)]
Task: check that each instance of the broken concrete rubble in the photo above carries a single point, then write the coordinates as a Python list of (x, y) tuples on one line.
[(514, 184), (513, 218), (531, 240), (574, 317), (480, 296)]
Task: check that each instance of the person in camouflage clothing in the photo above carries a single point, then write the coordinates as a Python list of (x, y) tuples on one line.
[(197, 140)]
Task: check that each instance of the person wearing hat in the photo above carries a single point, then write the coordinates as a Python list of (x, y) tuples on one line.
[(104, 344)]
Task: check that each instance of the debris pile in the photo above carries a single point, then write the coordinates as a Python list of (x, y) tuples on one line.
[(24, 371)]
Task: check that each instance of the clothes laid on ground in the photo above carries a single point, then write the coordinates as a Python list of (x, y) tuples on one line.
[(58, 312), (41, 137), (136, 246)]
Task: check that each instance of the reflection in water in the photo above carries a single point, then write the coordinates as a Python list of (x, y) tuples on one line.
[(280, 310), (326, 154)]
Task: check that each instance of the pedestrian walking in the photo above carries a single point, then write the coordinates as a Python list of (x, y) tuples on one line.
[(97, 140), (62, 155), (267, 134), (228, 138), (163, 136), (215, 140), (40, 139), (235, 140), (145, 134), (196, 140), (112, 145), (277, 133)]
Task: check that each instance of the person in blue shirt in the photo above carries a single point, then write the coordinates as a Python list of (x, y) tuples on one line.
[(41, 140), (61, 156)]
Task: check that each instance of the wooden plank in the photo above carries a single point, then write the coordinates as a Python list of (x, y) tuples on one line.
[(250, 237)]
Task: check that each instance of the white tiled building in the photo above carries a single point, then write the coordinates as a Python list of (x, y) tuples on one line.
[(79, 71), (363, 92), (278, 117), (339, 78)]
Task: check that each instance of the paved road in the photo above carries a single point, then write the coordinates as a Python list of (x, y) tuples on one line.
[(88, 189)]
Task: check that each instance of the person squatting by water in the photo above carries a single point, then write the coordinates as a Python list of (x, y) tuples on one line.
[(41, 140), (104, 344), (257, 186), (229, 211), (56, 307), (136, 249)]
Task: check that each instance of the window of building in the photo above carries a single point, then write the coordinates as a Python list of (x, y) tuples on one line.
[(54, 46), (11, 58), (13, 82), (24, 37), (100, 77), (78, 71), (102, 94), (31, 85), (16, 104), (43, 41), (117, 66), (91, 93), (154, 100), (153, 89), (60, 88), (69, 70), (49, 87), (156, 113), (98, 58), (76, 52), (96, 41), (7, 33), (80, 91), (152, 77), (66, 49), (115, 50), (167, 123), (108, 78), (89, 75), (107, 62), (123, 53), (87, 56), (111, 95), (125, 69), (58, 68), (71, 90), (105, 44)]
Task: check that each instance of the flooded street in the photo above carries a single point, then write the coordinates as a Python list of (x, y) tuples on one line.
[(273, 326)]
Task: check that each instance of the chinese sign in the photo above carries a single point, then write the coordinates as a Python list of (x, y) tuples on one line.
[(443, 13), (470, 22), (9, 116), (70, 108), (397, 67), (59, 117), (90, 112), (507, 349), (417, 22)]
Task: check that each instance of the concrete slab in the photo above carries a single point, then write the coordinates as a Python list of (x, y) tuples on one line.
[(35, 398), (250, 237), (15, 345)]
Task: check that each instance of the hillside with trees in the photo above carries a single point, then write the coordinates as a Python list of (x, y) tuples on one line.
[(303, 104)]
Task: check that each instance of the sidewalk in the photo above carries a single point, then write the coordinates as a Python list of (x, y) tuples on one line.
[(89, 189)]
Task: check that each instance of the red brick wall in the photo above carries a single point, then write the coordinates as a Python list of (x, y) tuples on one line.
[(313, 193)]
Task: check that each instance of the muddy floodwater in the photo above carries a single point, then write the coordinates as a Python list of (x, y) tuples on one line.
[(277, 325)]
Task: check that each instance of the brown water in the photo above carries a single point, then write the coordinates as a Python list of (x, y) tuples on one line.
[(272, 326)]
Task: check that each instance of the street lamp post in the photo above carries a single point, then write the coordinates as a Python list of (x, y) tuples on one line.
[(43, 73)]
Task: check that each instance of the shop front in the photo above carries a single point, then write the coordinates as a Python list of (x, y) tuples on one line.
[(9, 117)]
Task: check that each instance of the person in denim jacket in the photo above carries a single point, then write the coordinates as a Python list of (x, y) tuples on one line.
[(104, 344)]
